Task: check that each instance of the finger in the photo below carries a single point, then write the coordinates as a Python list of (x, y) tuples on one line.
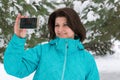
[(22, 16), (26, 16), (16, 26), (23, 33)]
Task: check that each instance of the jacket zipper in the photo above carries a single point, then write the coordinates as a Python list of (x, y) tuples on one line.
[(65, 60)]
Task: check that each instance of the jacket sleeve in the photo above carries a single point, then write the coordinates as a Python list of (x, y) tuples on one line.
[(19, 62), (93, 73)]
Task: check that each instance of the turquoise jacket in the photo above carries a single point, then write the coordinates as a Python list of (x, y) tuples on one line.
[(59, 59)]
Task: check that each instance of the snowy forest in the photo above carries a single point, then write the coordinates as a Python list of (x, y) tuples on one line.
[(100, 18)]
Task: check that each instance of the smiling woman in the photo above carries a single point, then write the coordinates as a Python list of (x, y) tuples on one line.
[(62, 29), (62, 58), (72, 20)]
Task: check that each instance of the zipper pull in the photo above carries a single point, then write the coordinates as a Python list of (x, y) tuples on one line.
[(66, 44)]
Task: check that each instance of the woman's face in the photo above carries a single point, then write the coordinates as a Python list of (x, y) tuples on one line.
[(62, 29)]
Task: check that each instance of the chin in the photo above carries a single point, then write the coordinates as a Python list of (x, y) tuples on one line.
[(63, 37)]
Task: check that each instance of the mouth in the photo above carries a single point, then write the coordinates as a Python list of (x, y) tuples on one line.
[(62, 34)]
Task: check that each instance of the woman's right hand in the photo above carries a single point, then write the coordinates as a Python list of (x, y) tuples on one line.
[(19, 32)]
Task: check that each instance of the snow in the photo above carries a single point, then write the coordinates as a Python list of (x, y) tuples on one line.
[(78, 7), (91, 16), (110, 63), (5, 76), (29, 32), (1, 41), (0, 30), (108, 66)]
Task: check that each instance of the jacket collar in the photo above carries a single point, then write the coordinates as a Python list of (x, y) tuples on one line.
[(72, 43)]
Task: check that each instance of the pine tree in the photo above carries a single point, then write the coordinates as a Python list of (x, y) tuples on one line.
[(107, 26)]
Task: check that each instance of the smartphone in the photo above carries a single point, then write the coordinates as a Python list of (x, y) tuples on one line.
[(28, 23)]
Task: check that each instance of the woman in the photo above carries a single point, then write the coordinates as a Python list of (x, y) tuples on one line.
[(62, 58)]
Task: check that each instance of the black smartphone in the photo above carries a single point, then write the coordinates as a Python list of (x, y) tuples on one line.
[(28, 23)]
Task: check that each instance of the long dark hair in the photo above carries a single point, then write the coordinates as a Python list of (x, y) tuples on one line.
[(73, 21)]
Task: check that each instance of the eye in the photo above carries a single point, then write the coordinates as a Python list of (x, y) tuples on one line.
[(66, 24), (56, 25)]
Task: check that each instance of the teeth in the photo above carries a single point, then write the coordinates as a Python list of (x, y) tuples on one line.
[(62, 33)]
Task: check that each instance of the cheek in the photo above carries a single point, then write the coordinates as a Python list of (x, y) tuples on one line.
[(55, 30), (72, 34), (70, 31)]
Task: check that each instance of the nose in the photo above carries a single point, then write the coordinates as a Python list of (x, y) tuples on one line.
[(60, 29)]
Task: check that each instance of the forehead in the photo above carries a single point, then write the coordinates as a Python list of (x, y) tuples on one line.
[(60, 19)]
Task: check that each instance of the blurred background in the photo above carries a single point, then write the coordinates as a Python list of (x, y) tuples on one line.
[(101, 19)]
